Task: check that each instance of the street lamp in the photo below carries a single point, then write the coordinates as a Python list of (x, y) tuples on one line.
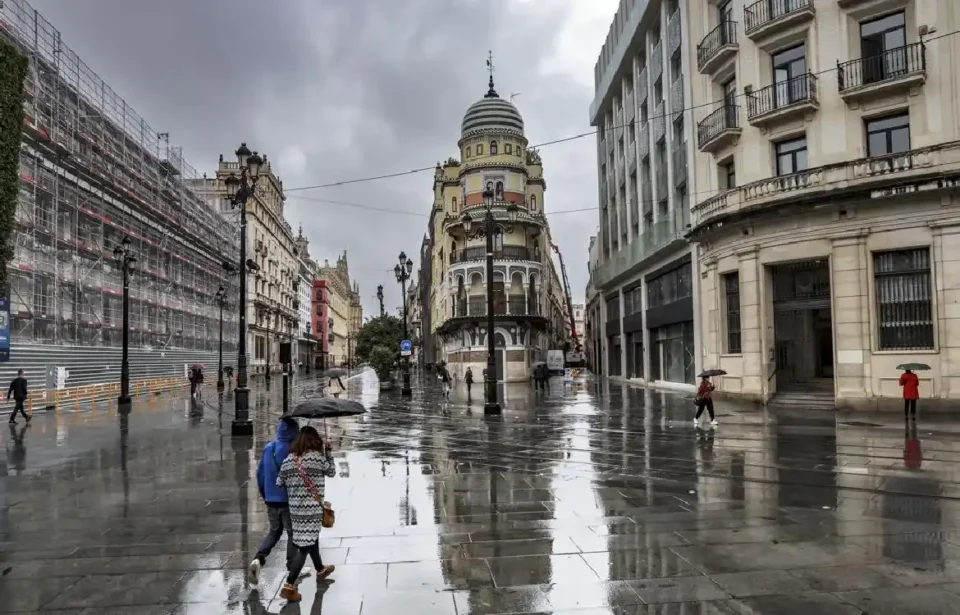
[(380, 298), (492, 406), (403, 270), (221, 301), (126, 261), (239, 189)]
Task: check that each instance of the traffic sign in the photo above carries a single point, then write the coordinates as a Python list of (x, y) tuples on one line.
[(406, 348)]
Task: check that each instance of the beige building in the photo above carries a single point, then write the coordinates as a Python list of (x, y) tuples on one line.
[(344, 314), (826, 207), (528, 296), (272, 295)]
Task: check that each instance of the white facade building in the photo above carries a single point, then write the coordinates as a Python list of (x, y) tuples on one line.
[(307, 273), (826, 207)]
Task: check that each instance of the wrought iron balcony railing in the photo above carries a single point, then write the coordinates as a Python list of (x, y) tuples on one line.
[(477, 253), (722, 36), (781, 95), (725, 118), (764, 12), (888, 66)]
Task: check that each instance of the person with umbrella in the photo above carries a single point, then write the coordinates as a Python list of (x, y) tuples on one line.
[(335, 387), (704, 398), (910, 383)]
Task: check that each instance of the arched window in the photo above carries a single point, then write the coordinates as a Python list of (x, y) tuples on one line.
[(499, 191), (498, 240), (453, 204), (533, 202), (493, 148)]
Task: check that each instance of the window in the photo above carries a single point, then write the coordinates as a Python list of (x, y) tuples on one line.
[(791, 156), (499, 191), (480, 149), (632, 132), (904, 306), (493, 148), (790, 84), (613, 308), (533, 202), (453, 204), (728, 175), (508, 148), (883, 47), (731, 288), (468, 153), (888, 135), (725, 11), (730, 92)]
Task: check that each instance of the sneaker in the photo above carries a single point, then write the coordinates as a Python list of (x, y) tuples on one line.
[(306, 572), (714, 422), (696, 422), (253, 572), (325, 572), (290, 593)]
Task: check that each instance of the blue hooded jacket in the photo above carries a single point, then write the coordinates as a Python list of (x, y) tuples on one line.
[(271, 460)]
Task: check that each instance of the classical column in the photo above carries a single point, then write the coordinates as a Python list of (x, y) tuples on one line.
[(850, 303), (945, 259), (753, 382)]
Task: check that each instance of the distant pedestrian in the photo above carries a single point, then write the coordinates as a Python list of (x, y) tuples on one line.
[(196, 381), (468, 378), (18, 388), (445, 380), (335, 387), (278, 509), (704, 399), (911, 393), (303, 474)]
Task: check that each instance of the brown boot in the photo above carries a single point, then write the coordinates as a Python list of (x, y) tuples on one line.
[(290, 593), (325, 572)]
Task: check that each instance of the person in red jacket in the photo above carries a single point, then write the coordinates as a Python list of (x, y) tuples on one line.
[(911, 393)]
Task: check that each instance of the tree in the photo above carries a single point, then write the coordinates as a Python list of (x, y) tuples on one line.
[(382, 359), (13, 71), (385, 331)]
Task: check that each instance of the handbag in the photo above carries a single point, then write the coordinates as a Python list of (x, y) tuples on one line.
[(329, 516)]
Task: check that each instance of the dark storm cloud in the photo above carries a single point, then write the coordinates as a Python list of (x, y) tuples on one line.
[(340, 89)]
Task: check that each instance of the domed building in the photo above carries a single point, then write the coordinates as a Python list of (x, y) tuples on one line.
[(528, 295)]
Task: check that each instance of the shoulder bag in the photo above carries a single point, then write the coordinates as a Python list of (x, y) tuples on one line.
[(329, 517)]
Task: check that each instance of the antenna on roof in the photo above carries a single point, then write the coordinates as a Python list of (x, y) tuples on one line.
[(514, 95)]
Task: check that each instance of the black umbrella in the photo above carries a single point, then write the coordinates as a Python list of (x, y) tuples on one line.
[(710, 373), (336, 373), (326, 408)]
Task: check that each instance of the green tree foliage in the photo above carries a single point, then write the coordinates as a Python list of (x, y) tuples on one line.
[(383, 360), (386, 331), (13, 71)]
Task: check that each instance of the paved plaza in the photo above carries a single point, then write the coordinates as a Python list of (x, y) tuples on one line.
[(590, 499)]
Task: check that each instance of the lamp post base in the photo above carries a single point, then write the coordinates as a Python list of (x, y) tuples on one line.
[(220, 386), (241, 428), (123, 400), (241, 425), (124, 405), (491, 407)]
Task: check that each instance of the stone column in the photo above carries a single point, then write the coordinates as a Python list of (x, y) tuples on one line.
[(751, 346), (850, 304), (708, 318), (945, 259)]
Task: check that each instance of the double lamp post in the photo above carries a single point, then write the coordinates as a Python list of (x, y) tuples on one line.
[(488, 230), (403, 271)]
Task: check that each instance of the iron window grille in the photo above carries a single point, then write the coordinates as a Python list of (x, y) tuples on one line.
[(904, 299), (731, 283)]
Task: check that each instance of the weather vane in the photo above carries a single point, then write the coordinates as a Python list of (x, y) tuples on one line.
[(490, 68)]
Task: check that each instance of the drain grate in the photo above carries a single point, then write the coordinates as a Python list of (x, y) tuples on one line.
[(860, 424)]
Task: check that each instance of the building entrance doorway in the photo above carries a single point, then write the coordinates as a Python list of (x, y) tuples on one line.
[(803, 330)]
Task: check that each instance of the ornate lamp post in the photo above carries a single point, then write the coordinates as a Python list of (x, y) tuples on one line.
[(492, 406), (221, 301), (403, 270), (380, 298), (126, 261), (239, 189)]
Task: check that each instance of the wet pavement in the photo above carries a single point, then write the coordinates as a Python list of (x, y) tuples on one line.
[(591, 499)]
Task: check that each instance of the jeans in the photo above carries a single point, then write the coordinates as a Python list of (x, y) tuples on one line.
[(18, 407), (300, 558), (279, 517), (909, 407), (708, 404)]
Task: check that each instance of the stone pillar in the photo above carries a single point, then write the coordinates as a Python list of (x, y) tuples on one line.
[(710, 347), (945, 259), (751, 303), (850, 305)]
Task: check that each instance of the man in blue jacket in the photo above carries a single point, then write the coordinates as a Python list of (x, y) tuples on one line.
[(278, 513)]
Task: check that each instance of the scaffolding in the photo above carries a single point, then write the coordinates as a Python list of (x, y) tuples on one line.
[(91, 173)]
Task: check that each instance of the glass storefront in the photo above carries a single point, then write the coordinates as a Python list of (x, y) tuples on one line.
[(673, 353)]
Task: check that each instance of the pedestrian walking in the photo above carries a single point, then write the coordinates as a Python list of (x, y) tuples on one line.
[(704, 399), (303, 474), (911, 393), (445, 379), (18, 388), (196, 381), (278, 509), (468, 378), (335, 387)]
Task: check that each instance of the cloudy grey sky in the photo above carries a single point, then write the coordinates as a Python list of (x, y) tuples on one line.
[(334, 90)]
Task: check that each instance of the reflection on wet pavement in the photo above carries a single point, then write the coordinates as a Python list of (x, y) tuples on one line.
[(588, 499)]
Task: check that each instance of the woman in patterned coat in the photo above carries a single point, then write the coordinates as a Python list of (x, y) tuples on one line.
[(302, 474)]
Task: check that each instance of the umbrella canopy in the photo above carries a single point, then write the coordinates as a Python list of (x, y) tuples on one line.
[(914, 367), (710, 373), (536, 363), (336, 372), (326, 407)]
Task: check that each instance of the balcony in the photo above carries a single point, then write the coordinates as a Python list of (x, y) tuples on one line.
[(659, 122), (898, 69), (767, 17), (719, 129), (642, 87), (479, 253), (931, 168), (718, 46), (645, 247), (783, 100)]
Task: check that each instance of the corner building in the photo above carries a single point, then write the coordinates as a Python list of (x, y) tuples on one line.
[(527, 291), (827, 211), (642, 270)]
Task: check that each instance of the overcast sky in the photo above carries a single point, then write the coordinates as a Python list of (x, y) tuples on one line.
[(334, 90)]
